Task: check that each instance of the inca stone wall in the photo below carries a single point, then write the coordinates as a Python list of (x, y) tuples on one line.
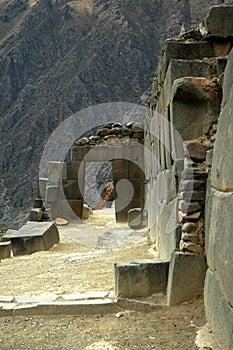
[(189, 167), (219, 223)]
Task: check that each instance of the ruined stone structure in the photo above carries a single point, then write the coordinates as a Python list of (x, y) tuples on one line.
[(62, 193), (189, 194)]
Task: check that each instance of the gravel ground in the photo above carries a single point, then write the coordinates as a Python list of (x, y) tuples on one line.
[(82, 262)]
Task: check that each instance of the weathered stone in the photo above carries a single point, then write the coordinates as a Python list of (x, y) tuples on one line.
[(51, 193), (55, 172), (5, 249), (182, 50), (33, 237), (228, 80), (193, 248), (195, 106), (222, 166), (141, 278), (79, 153), (36, 214), (82, 142), (126, 132), (218, 22), (209, 157), (86, 212), (186, 277), (189, 227), (196, 151), (194, 173), (189, 207), (189, 185), (42, 188), (102, 132), (192, 196), (38, 203), (135, 218), (219, 239), (218, 311), (71, 189), (187, 237), (76, 170)]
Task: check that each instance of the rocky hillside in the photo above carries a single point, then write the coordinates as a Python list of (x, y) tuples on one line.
[(59, 56)]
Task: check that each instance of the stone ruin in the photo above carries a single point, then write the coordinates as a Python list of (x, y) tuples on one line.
[(191, 222)]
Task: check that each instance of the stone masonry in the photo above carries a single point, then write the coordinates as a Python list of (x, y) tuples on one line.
[(62, 193), (189, 186)]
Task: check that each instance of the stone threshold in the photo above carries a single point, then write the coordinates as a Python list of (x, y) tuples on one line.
[(92, 303)]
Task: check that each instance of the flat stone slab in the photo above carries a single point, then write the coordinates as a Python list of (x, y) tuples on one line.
[(33, 237)]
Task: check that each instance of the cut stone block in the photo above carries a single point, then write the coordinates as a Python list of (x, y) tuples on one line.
[(42, 188), (195, 106), (55, 172), (186, 277), (183, 50), (68, 209), (38, 203), (5, 250), (71, 189), (33, 237), (86, 212), (141, 278), (76, 170), (218, 22), (135, 218), (218, 311), (51, 193), (36, 214)]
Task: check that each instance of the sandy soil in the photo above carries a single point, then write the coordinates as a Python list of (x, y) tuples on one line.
[(81, 262)]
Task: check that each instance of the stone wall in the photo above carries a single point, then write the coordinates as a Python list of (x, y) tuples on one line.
[(219, 223), (189, 165)]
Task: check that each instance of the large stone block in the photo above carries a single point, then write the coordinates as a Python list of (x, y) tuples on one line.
[(180, 68), (195, 106), (164, 230), (174, 49), (218, 22), (71, 189), (56, 172), (219, 312), (141, 278), (220, 240), (51, 193), (42, 188), (228, 80), (186, 277), (120, 169), (76, 170), (5, 250), (222, 165), (69, 209), (33, 237)]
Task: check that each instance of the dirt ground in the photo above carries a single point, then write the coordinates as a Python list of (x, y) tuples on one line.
[(81, 262)]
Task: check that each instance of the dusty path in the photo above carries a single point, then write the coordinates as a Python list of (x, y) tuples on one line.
[(83, 261)]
